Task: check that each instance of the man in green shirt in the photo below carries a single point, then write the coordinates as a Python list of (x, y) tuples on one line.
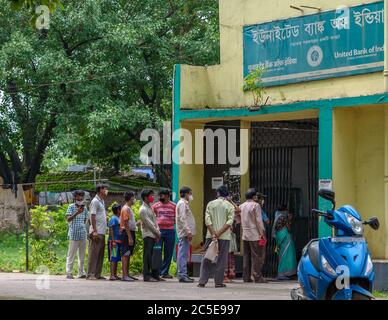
[(218, 219)]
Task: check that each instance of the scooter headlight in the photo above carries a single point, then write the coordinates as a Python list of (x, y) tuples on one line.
[(356, 224), (326, 265), (369, 266)]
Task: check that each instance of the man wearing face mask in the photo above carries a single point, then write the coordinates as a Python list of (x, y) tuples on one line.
[(164, 210), (97, 233), (185, 224), (151, 235), (76, 216)]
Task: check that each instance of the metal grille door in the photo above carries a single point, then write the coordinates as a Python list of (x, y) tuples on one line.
[(271, 170), (271, 174)]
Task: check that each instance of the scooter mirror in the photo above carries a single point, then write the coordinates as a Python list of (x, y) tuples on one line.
[(374, 223), (327, 194)]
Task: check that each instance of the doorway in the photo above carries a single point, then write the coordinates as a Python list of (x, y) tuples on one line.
[(284, 166)]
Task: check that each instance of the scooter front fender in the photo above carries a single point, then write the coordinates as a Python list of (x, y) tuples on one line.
[(347, 294)]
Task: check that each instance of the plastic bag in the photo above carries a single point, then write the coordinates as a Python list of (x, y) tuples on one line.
[(211, 253)]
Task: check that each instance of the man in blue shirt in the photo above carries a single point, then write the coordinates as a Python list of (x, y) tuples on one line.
[(114, 241), (76, 216)]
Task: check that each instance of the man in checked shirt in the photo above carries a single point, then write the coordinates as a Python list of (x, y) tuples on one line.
[(76, 216)]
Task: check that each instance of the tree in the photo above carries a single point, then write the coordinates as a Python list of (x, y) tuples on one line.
[(96, 78), (31, 4)]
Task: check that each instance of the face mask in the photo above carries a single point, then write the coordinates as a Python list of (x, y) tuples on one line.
[(191, 198), (106, 192), (151, 199), (80, 203)]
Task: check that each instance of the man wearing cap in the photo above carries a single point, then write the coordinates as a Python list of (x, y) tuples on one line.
[(253, 231)]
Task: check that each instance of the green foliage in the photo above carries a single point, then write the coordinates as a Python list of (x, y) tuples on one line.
[(11, 252), (128, 181), (95, 79), (381, 294), (31, 4), (48, 238), (64, 176), (253, 82)]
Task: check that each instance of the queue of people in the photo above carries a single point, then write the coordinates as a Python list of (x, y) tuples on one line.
[(163, 222)]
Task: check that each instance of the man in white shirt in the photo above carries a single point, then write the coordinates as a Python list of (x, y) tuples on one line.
[(97, 231), (185, 224)]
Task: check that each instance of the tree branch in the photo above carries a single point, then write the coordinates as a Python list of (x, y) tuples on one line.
[(36, 162), (12, 153), (70, 50)]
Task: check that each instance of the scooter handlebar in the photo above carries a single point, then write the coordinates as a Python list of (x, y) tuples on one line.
[(322, 213)]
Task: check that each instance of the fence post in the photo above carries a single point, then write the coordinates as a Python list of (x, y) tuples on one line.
[(27, 251)]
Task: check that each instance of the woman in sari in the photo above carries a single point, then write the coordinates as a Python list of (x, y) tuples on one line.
[(230, 270), (285, 247)]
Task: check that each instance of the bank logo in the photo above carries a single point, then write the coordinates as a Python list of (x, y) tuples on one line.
[(314, 56)]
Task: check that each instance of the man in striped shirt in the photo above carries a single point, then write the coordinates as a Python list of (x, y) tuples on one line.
[(164, 210)]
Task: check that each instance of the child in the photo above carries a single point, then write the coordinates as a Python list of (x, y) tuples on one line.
[(114, 242)]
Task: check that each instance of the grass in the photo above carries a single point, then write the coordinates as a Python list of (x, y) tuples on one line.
[(381, 294), (12, 253)]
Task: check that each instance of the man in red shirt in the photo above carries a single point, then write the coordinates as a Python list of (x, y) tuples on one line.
[(165, 215)]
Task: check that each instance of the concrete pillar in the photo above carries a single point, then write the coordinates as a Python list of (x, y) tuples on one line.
[(325, 161)]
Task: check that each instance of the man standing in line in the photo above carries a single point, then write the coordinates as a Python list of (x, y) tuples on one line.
[(185, 224), (165, 215), (262, 248), (98, 228), (219, 220), (128, 232), (253, 231), (151, 235), (76, 216)]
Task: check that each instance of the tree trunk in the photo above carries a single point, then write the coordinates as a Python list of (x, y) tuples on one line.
[(116, 164)]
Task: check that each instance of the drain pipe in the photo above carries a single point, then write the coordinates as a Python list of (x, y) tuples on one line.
[(385, 46)]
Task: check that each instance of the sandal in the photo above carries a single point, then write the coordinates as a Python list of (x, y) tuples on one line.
[(200, 285), (127, 279)]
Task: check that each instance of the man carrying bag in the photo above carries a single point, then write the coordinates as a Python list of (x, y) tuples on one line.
[(218, 219)]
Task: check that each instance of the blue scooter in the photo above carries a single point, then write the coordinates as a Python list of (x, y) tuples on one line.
[(338, 267)]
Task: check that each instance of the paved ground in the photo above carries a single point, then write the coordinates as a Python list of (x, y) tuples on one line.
[(29, 286)]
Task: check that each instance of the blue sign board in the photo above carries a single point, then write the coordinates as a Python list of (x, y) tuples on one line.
[(343, 42)]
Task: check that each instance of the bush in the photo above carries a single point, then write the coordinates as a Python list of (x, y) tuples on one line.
[(48, 238)]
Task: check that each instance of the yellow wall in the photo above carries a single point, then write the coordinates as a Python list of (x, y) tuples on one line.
[(245, 155), (359, 147), (360, 137), (220, 86), (191, 175)]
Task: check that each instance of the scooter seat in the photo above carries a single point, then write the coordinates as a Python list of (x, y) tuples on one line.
[(313, 253)]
